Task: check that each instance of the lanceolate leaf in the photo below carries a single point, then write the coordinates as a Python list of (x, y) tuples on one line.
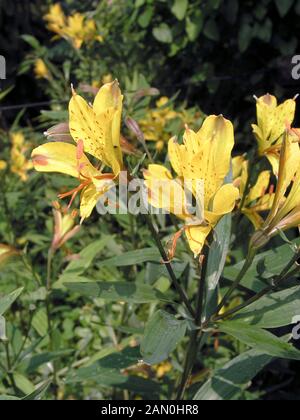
[(227, 383), (118, 291), (216, 261), (264, 267), (8, 300), (133, 257), (273, 311), (260, 339), (162, 334)]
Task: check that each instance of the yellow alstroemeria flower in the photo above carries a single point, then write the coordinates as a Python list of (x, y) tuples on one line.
[(272, 120), (20, 165), (259, 198), (153, 125), (76, 28), (6, 252), (204, 156), (3, 165), (285, 211), (96, 131), (40, 69)]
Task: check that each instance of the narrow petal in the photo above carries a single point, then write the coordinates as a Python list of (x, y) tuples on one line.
[(61, 157)]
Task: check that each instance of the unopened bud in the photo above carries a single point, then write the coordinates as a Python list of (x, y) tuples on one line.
[(133, 126), (259, 239)]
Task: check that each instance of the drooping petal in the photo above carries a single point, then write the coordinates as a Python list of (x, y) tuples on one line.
[(61, 157), (164, 192), (88, 200), (196, 236), (223, 203)]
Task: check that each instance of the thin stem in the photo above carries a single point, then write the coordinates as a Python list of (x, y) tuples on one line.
[(282, 277), (193, 347), (48, 312), (30, 268), (24, 341), (240, 276), (9, 368), (180, 290), (49, 269)]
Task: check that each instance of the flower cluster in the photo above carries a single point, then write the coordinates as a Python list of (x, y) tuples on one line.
[(271, 202), (156, 121), (19, 163), (76, 29)]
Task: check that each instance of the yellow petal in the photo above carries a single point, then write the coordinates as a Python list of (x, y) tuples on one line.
[(288, 164), (175, 156), (109, 97), (237, 166), (61, 157), (88, 200), (196, 236), (260, 187), (272, 121), (86, 127), (223, 203), (212, 159), (164, 192), (284, 116), (273, 158)]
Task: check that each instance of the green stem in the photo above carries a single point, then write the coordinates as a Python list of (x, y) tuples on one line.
[(240, 276), (9, 368), (196, 335), (283, 276), (48, 312), (180, 290)]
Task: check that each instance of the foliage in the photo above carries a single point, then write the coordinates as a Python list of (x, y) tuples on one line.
[(130, 306)]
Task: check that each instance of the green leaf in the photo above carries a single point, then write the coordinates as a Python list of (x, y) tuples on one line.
[(23, 383), (211, 30), (227, 382), (40, 322), (179, 8), (216, 262), (5, 92), (106, 372), (118, 291), (260, 339), (162, 334), (2, 328), (133, 257), (284, 6), (85, 258), (32, 41), (8, 300), (273, 311), (33, 363), (38, 393), (80, 265), (9, 398), (265, 266), (245, 37), (163, 33), (146, 17), (194, 26)]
